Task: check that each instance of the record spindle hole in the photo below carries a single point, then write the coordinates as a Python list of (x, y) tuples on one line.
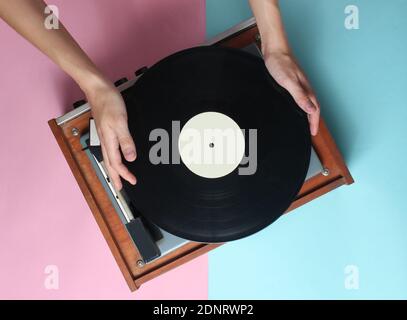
[(211, 145)]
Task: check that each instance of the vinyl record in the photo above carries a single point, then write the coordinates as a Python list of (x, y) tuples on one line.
[(199, 198)]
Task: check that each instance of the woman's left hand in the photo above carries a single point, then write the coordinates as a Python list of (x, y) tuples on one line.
[(288, 74)]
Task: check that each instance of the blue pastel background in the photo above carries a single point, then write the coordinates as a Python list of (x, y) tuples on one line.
[(360, 77)]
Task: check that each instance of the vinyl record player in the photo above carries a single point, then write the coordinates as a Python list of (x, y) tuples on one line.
[(141, 248)]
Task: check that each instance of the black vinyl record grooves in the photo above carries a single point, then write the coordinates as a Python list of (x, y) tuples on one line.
[(237, 84)]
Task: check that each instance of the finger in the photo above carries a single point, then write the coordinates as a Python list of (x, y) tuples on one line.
[(305, 84), (112, 174), (310, 91), (307, 102), (314, 117), (301, 97), (115, 159), (126, 143), (314, 100), (313, 120)]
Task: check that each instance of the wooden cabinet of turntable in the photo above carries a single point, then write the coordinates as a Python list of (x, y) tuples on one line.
[(327, 171)]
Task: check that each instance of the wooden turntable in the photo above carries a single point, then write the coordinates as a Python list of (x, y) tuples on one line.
[(69, 128)]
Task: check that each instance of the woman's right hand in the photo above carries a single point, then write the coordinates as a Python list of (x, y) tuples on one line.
[(109, 112)]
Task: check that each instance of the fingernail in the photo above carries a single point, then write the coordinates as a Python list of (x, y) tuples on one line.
[(130, 155)]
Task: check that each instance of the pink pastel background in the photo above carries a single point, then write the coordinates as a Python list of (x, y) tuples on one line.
[(44, 219)]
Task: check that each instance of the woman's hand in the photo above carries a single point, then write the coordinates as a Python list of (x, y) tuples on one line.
[(107, 105), (286, 71), (279, 60), (109, 111)]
